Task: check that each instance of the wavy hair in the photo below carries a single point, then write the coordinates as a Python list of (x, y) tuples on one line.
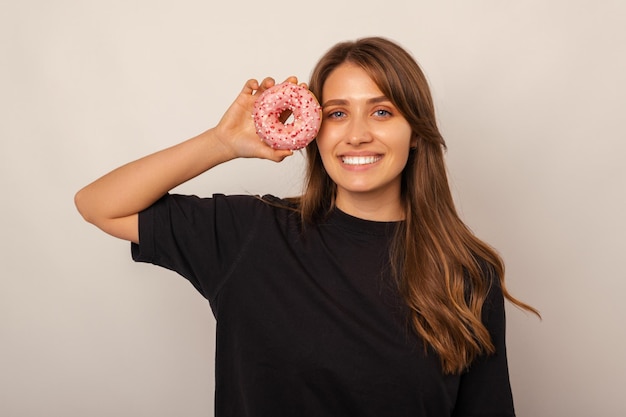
[(444, 272)]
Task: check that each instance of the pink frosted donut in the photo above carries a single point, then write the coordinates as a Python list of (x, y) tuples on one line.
[(281, 98)]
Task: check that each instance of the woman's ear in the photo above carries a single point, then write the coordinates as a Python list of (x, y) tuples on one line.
[(414, 139)]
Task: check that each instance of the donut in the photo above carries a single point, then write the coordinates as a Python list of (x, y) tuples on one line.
[(281, 98)]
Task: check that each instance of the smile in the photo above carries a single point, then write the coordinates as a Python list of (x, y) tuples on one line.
[(360, 160)]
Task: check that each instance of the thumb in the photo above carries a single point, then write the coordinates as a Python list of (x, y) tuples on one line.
[(277, 155)]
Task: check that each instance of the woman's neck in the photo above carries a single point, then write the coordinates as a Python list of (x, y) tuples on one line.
[(371, 207)]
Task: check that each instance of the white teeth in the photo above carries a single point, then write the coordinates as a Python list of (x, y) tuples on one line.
[(359, 160)]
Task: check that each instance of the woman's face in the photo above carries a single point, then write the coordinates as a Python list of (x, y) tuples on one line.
[(364, 144)]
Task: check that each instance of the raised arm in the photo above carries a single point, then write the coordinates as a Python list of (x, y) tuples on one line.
[(113, 201)]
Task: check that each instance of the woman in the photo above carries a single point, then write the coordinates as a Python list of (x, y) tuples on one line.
[(367, 295)]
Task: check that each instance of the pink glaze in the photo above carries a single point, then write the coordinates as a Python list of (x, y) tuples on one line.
[(287, 97)]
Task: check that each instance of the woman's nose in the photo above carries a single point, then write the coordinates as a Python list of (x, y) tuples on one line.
[(358, 132)]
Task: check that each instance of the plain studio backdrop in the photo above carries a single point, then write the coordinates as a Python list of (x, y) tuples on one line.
[(530, 97)]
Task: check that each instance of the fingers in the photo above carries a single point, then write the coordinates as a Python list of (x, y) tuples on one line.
[(267, 82), (252, 86), (277, 155), (267, 152), (294, 79)]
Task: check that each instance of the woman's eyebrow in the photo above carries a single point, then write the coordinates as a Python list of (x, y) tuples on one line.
[(335, 102), (342, 102), (375, 100)]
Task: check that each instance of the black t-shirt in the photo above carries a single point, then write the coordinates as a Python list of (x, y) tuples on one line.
[(309, 322)]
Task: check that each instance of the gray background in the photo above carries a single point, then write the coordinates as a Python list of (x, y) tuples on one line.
[(530, 97)]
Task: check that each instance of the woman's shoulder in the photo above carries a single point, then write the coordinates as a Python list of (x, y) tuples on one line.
[(289, 203), (235, 201), (237, 214)]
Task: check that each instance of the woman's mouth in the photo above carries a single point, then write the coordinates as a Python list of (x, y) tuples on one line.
[(360, 160)]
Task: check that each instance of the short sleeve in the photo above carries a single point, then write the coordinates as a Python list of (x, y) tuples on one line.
[(485, 389), (199, 238)]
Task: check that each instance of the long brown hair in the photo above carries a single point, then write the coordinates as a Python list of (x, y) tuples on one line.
[(444, 271)]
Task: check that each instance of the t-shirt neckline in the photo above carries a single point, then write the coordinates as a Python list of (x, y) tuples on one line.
[(358, 225)]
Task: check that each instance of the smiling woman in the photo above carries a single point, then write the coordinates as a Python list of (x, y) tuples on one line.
[(445, 273), (376, 299), (364, 145)]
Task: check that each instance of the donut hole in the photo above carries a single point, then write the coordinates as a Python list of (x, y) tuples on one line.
[(286, 117)]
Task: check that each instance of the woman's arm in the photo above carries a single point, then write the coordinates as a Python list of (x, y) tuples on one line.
[(485, 389), (113, 201)]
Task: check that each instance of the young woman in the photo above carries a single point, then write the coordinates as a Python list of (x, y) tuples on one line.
[(365, 296)]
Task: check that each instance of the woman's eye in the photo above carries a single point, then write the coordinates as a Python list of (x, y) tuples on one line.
[(335, 114), (382, 113)]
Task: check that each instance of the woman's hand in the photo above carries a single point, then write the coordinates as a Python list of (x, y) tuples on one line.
[(236, 131)]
